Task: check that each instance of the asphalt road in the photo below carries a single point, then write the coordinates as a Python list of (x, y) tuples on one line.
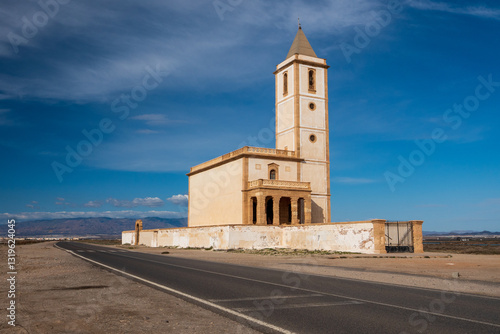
[(286, 302)]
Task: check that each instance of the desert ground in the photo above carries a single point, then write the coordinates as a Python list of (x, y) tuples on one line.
[(59, 293)]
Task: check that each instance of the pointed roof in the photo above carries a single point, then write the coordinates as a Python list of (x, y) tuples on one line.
[(301, 45)]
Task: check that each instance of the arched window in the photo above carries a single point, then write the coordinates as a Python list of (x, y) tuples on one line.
[(285, 84), (312, 80), (272, 174)]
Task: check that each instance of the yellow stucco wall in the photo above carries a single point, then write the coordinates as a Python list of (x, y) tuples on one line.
[(285, 119), (319, 209), (215, 196), (313, 150), (285, 140), (317, 174), (287, 170), (312, 118)]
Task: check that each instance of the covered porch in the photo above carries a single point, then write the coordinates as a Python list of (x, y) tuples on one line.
[(274, 202)]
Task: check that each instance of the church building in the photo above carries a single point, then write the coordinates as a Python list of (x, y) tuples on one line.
[(255, 198), (288, 185)]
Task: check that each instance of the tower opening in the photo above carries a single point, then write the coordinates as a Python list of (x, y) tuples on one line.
[(312, 80)]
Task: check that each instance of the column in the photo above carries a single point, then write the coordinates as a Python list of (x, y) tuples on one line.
[(250, 210), (307, 210), (276, 210), (261, 210), (295, 210)]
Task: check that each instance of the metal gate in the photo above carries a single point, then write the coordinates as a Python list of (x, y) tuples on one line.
[(398, 237)]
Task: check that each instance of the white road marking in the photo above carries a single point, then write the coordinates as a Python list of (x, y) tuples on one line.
[(199, 300), (265, 297), (324, 293), (304, 305)]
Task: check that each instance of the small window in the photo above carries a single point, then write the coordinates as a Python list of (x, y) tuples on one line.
[(272, 174), (312, 138), (312, 106), (312, 80), (285, 83)]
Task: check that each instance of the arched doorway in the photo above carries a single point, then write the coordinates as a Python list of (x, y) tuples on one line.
[(254, 210), (285, 210), (269, 210)]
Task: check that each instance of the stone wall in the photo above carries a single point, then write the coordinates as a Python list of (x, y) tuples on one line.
[(360, 237)]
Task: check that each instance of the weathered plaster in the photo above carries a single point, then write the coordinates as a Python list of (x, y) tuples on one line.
[(360, 237)]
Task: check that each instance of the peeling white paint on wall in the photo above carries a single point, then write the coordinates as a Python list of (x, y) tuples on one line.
[(347, 237)]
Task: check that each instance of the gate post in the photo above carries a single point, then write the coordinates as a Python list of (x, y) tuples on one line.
[(418, 245), (379, 236), (138, 229)]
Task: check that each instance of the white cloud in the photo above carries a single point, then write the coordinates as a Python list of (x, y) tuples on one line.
[(352, 180), (93, 204), (33, 205), (27, 216), (181, 200), (108, 64), (153, 119), (147, 202), (477, 11)]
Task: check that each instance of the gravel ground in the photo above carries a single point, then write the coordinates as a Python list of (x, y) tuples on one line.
[(60, 293)]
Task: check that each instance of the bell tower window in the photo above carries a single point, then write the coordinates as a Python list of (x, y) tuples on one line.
[(285, 84), (312, 80), (272, 174)]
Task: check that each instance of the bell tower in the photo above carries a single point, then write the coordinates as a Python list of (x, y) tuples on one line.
[(302, 120)]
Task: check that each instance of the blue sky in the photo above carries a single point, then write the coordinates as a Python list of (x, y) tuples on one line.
[(161, 86)]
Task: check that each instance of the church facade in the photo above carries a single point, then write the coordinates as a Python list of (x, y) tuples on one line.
[(279, 198), (288, 185)]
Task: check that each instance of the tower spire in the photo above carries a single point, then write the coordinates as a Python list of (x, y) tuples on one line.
[(301, 45)]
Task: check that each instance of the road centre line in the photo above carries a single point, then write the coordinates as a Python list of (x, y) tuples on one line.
[(324, 293), (304, 305), (265, 297)]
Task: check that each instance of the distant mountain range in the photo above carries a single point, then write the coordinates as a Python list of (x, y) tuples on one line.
[(90, 227), (461, 233), (112, 228)]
